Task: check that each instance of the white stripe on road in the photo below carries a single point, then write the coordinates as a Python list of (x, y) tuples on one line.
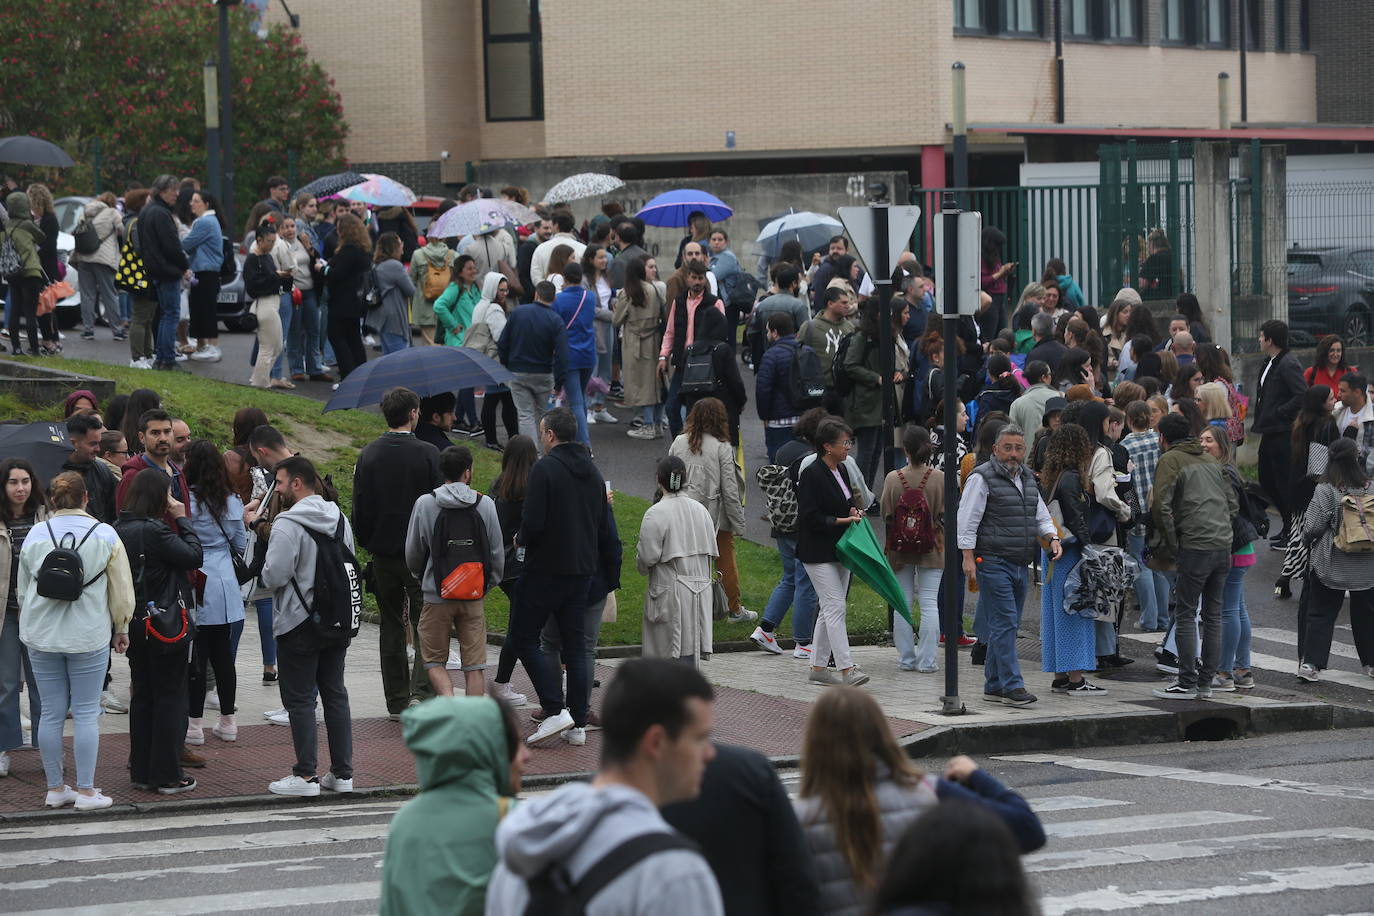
[(1290, 639), (1141, 822), (1285, 665), (1071, 803), (21, 858), (155, 822), (1200, 848), (224, 868), (1308, 878), (235, 901), (1127, 768)]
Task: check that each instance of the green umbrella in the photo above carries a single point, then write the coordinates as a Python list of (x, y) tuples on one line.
[(860, 552)]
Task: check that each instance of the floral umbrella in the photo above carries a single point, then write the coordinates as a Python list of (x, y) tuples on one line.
[(583, 184), (380, 191), (518, 212), (329, 185), (475, 217)]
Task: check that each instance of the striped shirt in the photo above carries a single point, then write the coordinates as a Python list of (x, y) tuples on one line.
[(1144, 451)]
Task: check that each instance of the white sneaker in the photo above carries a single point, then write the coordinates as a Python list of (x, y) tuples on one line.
[(92, 802), (332, 783), (591, 418), (643, 432), (742, 616), (506, 694), (212, 700), (60, 798), (195, 733), (295, 785), (577, 737), (605, 416), (183, 357), (371, 341), (4, 764), (1308, 673), (113, 704), (226, 730), (550, 728), (277, 716), (455, 660), (802, 652), (144, 363), (204, 354), (765, 641)]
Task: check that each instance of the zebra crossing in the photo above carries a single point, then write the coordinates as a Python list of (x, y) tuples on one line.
[(1121, 839)]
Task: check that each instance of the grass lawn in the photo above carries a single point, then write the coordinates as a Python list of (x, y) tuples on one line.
[(332, 440)]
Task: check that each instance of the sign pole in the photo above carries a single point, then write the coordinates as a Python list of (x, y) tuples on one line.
[(953, 581)]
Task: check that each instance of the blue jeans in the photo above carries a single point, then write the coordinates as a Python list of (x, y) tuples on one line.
[(605, 337), (922, 584), (393, 342), (1151, 589), (286, 312), (673, 405), (303, 343), (126, 307), (793, 590), (1235, 623), (563, 598), (575, 397), (775, 438), (168, 314), (653, 414), (14, 669), (1001, 594), (75, 680)]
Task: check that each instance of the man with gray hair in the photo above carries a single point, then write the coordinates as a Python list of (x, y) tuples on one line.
[(1046, 349), (1001, 515), (1183, 348), (159, 244)]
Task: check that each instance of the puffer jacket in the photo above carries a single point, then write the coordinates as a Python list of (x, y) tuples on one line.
[(1193, 504), (24, 234), (109, 228)]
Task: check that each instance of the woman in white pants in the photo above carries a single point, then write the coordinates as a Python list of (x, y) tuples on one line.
[(916, 548), (263, 282), (826, 507)]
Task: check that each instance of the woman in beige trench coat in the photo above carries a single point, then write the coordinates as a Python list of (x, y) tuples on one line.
[(639, 311), (677, 540)]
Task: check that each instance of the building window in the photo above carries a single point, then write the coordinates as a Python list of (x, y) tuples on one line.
[(1077, 21), (1102, 20), (968, 16), (1304, 25), (1216, 23), (513, 60), (1171, 21), (1020, 17), (1122, 20), (1254, 27), (997, 17), (1280, 25)]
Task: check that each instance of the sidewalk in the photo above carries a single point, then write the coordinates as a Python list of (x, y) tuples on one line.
[(762, 702)]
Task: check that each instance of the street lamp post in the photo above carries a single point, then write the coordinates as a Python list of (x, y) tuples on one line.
[(211, 75)]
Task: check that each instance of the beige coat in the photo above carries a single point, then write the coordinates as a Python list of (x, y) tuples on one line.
[(676, 543), (643, 335), (714, 480), (6, 558), (109, 228)]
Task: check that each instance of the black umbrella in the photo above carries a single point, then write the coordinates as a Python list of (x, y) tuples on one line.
[(424, 370), (332, 184), (43, 445), (27, 150)]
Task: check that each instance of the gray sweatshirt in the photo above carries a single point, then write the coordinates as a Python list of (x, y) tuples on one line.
[(291, 554), (392, 314), (578, 826), (419, 556)]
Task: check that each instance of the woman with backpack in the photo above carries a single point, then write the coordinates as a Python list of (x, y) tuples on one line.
[(22, 507), (1067, 640), (1337, 525), (204, 247), (640, 310), (912, 504), (160, 559), (576, 306), (217, 517), (1233, 670), (67, 631), (488, 324), (95, 270), (431, 270), (391, 317)]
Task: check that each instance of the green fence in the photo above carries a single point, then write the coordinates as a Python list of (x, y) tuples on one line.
[(1146, 219)]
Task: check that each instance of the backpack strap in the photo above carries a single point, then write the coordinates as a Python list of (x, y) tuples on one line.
[(924, 478), (624, 857)]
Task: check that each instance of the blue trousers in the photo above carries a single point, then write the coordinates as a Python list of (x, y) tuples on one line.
[(303, 343), (1151, 589), (563, 598), (575, 396), (168, 314), (1002, 593), (792, 591), (1235, 623)]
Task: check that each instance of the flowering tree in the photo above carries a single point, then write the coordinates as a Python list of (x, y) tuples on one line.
[(122, 81)]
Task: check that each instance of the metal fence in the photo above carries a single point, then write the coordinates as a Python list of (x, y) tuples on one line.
[(1146, 219)]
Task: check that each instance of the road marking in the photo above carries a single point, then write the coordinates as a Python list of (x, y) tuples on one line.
[(1071, 803), (154, 822), (1128, 768), (1200, 848), (1290, 639), (1284, 665), (317, 836), (223, 868), (1308, 878), (237, 901), (1137, 823)]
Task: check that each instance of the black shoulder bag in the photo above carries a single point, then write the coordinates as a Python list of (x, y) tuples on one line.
[(169, 626)]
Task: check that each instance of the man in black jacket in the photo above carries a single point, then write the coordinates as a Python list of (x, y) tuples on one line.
[(84, 431), (394, 471), (159, 244), (682, 331), (713, 330), (1278, 397), (562, 529), (436, 419)]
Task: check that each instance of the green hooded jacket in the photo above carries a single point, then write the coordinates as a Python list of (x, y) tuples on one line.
[(441, 847), (24, 233)]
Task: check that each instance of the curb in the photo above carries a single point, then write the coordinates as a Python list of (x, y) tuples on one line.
[(1200, 722)]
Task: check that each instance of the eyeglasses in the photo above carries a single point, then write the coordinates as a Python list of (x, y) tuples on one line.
[(847, 443)]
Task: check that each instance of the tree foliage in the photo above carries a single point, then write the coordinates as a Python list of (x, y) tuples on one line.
[(124, 79)]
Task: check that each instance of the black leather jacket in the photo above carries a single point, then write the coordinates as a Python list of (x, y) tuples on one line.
[(159, 559)]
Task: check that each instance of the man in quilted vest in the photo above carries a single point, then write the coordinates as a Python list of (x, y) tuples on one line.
[(1001, 516)]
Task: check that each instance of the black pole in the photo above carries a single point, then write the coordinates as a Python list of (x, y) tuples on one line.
[(226, 120), (882, 283), (1058, 62), (960, 125), (953, 582), (1244, 103)]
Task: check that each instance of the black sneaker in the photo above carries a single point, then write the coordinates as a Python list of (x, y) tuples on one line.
[(978, 654), (1060, 684), (1084, 688), (990, 696), (1018, 697), (1175, 691), (88, 335), (1166, 662)]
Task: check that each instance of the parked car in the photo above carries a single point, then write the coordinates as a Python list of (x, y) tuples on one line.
[(234, 306), (68, 214), (1331, 291)]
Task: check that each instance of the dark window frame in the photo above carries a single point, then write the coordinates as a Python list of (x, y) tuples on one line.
[(1254, 25), (1304, 25), (1204, 40), (1280, 25), (1098, 23), (993, 14), (535, 40)]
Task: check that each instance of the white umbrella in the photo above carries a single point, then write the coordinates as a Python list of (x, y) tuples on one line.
[(811, 230), (472, 218), (584, 184)]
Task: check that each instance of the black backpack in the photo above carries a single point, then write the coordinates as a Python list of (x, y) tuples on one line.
[(229, 266), (62, 575), (336, 606), (369, 290), (460, 555), (553, 892), (843, 383), (741, 289), (805, 378), (699, 368)]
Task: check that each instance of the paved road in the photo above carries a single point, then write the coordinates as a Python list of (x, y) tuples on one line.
[(1280, 825)]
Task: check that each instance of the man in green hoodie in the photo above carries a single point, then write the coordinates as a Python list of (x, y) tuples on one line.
[(441, 848), (24, 274)]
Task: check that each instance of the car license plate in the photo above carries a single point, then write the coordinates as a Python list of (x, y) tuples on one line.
[(228, 297)]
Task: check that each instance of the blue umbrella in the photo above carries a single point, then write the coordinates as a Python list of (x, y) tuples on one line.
[(424, 370), (672, 208)]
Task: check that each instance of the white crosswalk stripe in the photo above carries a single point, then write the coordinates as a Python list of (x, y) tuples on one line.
[(1288, 664)]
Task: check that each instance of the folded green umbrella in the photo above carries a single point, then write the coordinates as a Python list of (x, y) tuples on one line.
[(861, 554)]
